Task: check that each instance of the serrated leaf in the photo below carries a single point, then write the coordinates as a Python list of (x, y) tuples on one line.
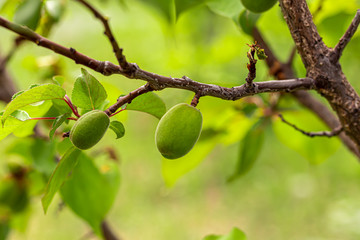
[(22, 128), (235, 234), (250, 148), (57, 123), (149, 103), (61, 172), (88, 93), (183, 5), (91, 193), (28, 13), (225, 8), (118, 129), (33, 95)]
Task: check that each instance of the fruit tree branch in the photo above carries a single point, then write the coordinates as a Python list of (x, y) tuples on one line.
[(158, 82), (345, 39), (283, 71), (117, 50), (317, 58)]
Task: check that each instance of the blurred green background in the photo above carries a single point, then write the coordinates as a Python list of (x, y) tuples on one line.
[(285, 195)]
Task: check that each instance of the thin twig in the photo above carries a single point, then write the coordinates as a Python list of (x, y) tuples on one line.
[(345, 39), (107, 232), (291, 58), (251, 66), (333, 133), (117, 50)]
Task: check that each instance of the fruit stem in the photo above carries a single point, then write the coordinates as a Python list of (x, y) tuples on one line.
[(71, 105), (195, 99), (50, 118)]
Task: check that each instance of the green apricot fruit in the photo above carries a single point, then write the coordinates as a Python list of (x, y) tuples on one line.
[(178, 131), (89, 129), (258, 6)]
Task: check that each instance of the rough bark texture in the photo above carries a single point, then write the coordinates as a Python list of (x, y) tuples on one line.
[(319, 62)]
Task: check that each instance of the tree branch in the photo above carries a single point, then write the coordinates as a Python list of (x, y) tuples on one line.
[(333, 133), (283, 71), (107, 232), (117, 50), (158, 82), (345, 39)]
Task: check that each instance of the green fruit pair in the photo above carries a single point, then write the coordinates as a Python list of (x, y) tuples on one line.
[(258, 6), (89, 129), (178, 131)]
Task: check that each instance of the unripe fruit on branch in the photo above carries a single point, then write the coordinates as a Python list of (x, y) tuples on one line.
[(89, 129), (258, 6), (178, 131)]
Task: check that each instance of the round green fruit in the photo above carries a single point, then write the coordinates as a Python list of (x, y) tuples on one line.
[(89, 129), (178, 131), (258, 6)]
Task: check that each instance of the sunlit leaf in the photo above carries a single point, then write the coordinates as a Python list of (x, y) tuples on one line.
[(148, 103), (165, 7), (88, 93), (34, 95), (225, 8), (235, 234), (64, 167), (89, 192), (118, 129), (29, 13)]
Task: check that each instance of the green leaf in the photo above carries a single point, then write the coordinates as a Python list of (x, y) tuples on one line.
[(59, 80), (148, 103), (29, 13), (225, 8), (17, 94), (55, 9), (172, 170), (64, 167), (118, 129), (33, 95), (247, 21), (43, 154), (91, 193), (57, 123), (250, 148), (21, 115), (165, 7), (183, 5), (235, 234), (88, 93), (317, 149)]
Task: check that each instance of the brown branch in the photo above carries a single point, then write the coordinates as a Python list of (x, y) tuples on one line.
[(158, 82), (128, 98), (345, 39), (107, 232), (251, 66), (125, 66), (195, 100), (333, 133), (291, 57), (283, 71), (17, 42)]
